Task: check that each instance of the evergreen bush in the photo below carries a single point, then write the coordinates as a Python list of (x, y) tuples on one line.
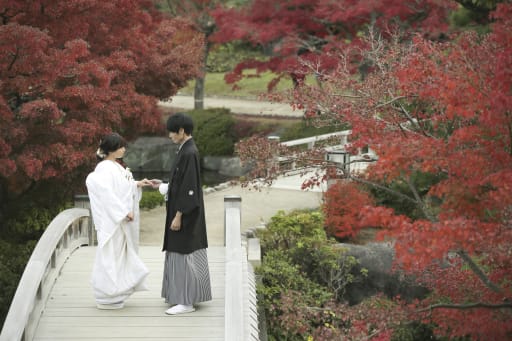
[(18, 238), (151, 199), (300, 275), (13, 258), (414, 331), (213, 131)]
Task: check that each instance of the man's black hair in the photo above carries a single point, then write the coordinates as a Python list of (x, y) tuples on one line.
[(180, 120)]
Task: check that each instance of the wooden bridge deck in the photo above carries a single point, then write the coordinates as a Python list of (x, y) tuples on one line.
[(71, 314)]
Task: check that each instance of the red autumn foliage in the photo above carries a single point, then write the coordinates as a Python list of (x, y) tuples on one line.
[(71, 71), (310, 30), (373, 319), (343, 205), (443, 109)]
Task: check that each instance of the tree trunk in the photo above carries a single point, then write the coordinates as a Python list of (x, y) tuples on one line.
[(199, 93), (199, 86)]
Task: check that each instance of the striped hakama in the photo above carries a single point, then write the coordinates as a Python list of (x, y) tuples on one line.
[(186, 278)]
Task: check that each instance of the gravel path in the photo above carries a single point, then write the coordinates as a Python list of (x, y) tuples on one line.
[(237, 106), (258, 207)]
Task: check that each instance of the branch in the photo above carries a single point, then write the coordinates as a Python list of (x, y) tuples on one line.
[(467, 306), (420, 202), (397, 105), (346, 96), (415, 122), (404, 111), (14, 58), (400, 125), (401, 195), (483, 277), (390, 101)]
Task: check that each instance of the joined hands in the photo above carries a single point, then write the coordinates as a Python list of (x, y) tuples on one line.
[(154, 183), (144, 182)]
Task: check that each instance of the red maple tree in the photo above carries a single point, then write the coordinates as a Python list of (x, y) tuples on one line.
[(301, 30), (439, 109), (444, 108), (71, 71)]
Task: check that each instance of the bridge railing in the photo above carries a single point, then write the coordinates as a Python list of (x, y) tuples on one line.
[(68, 230), (311, 141), (336, 153), (240, 310), (288, 162)]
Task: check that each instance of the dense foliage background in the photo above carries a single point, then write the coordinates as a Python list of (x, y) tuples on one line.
[(425, 84), (433, 100), (71, 71)]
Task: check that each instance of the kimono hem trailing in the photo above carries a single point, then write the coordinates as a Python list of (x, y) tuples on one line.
[(118, 270)]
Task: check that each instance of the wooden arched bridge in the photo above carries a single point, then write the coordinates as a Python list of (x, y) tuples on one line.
[(54, 299)]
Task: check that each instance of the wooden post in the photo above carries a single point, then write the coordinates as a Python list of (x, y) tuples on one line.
[(82, 201), (234, 298), (231, 201)]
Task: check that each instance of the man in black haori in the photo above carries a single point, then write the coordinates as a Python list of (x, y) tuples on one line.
[(186, 279)]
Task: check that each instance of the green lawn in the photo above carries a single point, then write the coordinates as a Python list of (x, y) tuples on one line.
[(250, 87)]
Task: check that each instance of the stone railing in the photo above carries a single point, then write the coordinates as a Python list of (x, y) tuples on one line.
[(69, 230), (241, 318)]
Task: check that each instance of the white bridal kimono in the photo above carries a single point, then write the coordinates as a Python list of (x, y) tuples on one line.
[(118, 270)]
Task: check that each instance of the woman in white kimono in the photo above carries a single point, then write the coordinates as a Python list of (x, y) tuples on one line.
[(118, 271)]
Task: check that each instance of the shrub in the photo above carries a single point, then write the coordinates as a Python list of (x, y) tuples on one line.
[(213, 132), (13, 258), (151, 199), (280, 280), (302, 236), (18, 238), (301, 275), (343, 204), (414, 331), (305, 128), (29, 220)]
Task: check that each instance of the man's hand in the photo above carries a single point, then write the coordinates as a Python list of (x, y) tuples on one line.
[(176, 222), (155, 183)]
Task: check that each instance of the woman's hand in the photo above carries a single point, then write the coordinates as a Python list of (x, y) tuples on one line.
[(144, 182), (129, 216)]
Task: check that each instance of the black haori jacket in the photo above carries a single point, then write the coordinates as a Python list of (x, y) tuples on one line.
[(185, 194)]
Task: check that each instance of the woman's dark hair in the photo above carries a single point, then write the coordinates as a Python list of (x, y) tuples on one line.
[(110, 143), (180, 120)]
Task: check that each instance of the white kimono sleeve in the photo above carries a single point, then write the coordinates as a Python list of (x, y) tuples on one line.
[(164, 189)]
